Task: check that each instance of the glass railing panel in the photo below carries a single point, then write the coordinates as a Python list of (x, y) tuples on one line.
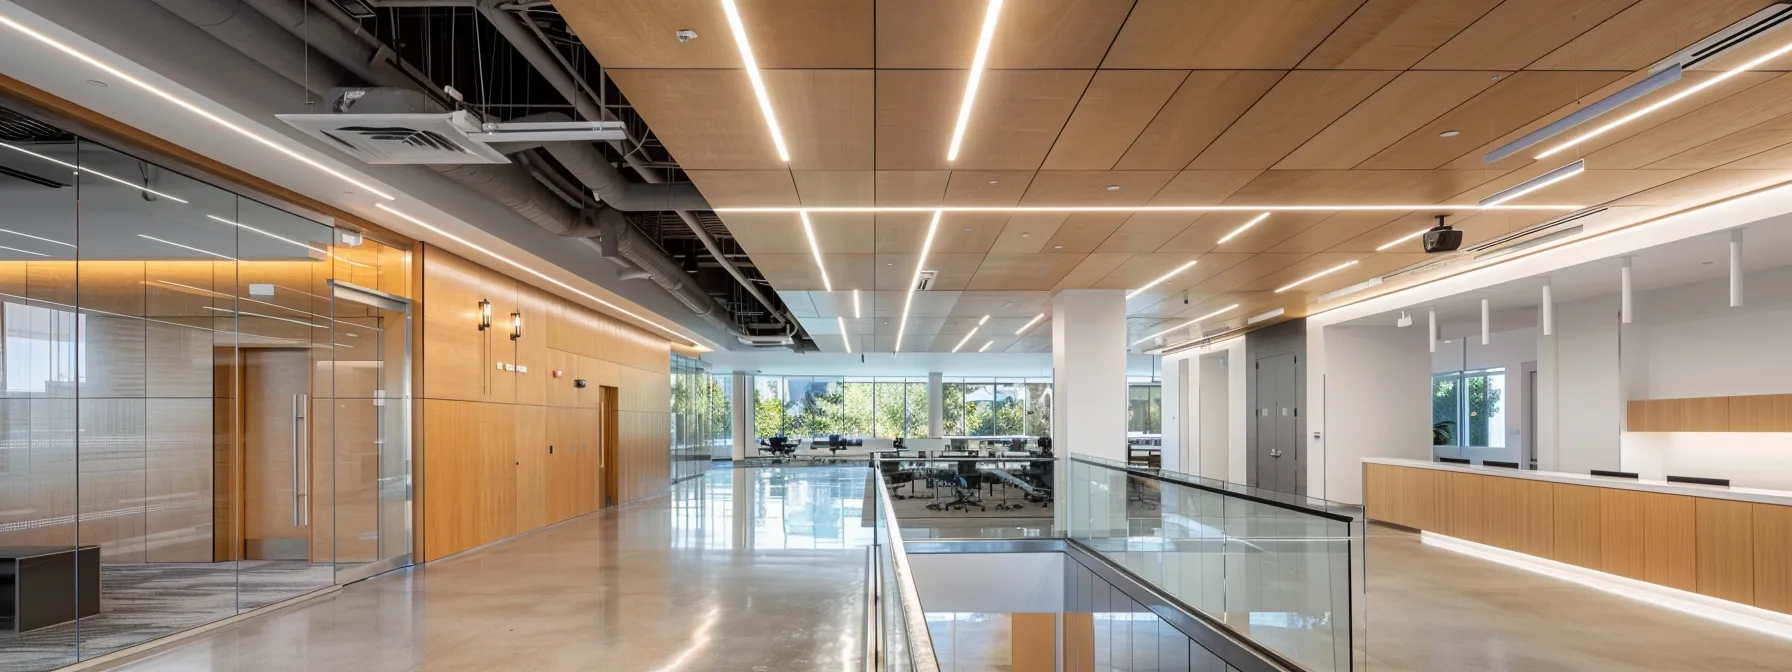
[(898, 633), (1277, 569)]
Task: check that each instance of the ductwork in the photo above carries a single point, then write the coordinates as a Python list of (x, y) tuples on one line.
[(594, 171), (359, 52), (262, 40)]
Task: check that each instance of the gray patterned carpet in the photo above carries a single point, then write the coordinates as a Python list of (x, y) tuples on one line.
[(140, 602)]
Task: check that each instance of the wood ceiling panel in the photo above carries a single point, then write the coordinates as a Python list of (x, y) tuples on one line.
[(987, 187), (1028, 232), (1698, 126), (1241, 273), (1207, 103), (1404, 225), (704, 117), (835, 188), (1010, 272), (1171, 290), (1017, 117), (1204, 235), (1645, 33), (1358, 187), (1518, 32), (784, 33), (1753, 141), (1224, 34), (959, 232), (1405, 105), (827, 117), (1281, 277), (899, 188), (1372, 266), (1143, 268), (1778, 158), (797, 272), (746, 188), (1512, 102), (1591, 187), (1112, 113), (1082, 232), (1092, 187), (1296, 109), (1203, 187), (1034, 34), (894, 271), (1333, 230), (1394, 34), (841, 232), (782, 232), (1091, 269), (1147, 231), (1705, 187)]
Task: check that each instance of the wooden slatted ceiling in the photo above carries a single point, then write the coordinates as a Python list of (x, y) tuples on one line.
[(1175, 103)]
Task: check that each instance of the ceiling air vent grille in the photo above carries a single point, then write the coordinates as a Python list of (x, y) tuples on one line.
[(926, 280), (400, 138)]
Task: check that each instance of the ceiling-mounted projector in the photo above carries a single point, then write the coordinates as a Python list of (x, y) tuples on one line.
[(1442, 238)]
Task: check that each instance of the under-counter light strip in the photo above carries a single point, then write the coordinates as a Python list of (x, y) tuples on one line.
[(91, 171), (927, 244), (1402, 239), (845, 339), (1150, 208), (752, 66), (1701, 86), (1686, 602), (183, 104), (975, 78), (1538, 182), (1160, 280), (1029, 325), (434, 229), (190, 247), (1316, 276), (1240, 229), (815, 249), (1213, 314)]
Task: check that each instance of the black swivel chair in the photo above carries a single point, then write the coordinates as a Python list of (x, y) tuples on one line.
[(777, 446)]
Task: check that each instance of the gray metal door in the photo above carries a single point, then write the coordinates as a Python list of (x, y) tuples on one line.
[(1278, 429)]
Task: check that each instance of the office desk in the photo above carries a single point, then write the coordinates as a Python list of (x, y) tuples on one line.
[(1730, 543)]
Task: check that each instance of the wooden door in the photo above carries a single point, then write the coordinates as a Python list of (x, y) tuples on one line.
[(276, 454), (610, 464)]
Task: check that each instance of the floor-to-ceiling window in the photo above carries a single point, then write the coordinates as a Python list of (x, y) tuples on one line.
[(695, 414), (1144, 408), (996, 406), (820, 406), (203, 399)]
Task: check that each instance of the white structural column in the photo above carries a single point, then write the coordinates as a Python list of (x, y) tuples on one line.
[(1089, 372), (936, 405), (1175, 390), (741, 411)]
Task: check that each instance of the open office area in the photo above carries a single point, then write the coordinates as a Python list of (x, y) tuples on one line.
[(895, 335)]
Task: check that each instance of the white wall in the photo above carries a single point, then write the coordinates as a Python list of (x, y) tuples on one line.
[(1377, 392), (1000, 583), (1580, 400), (1214, 433), (1176, 379)]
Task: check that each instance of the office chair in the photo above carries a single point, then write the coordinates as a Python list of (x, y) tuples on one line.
[(777, 445), (963, 497), (835, 445)]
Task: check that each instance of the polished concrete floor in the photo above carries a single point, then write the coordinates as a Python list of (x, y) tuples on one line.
[(740, 569)]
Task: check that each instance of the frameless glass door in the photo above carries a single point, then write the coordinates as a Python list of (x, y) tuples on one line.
[(372, 430)]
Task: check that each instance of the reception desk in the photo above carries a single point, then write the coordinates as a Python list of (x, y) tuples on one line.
[(1730, 543)]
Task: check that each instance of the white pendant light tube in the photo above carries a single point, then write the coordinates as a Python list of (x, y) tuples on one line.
[(1549, 312), (976, 76), (1431, 329), (1736, 268), (1625, 307), (1486, 323)]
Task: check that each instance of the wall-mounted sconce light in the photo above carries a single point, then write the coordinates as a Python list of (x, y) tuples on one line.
[(516, 326), (485, 314)]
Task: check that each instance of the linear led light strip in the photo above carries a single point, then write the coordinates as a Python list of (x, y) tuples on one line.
[(1029, 325), (976, 76), (79, 169), (116, 73), (845, 339), (856, 313), (1402, 239), (816, 250), (1211, 315), (1701, 86), (962, 341), (1316, 276), (752, 66), (1241, 229), (1160, 280), (284, 239), (986, 346), (902, 327), (433, 229), (1537, 182), (1153, 208)]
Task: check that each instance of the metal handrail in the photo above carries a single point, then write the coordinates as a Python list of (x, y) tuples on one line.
[(920, 641)]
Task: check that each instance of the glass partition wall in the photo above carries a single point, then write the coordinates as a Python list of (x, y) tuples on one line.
[(205, 401)]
